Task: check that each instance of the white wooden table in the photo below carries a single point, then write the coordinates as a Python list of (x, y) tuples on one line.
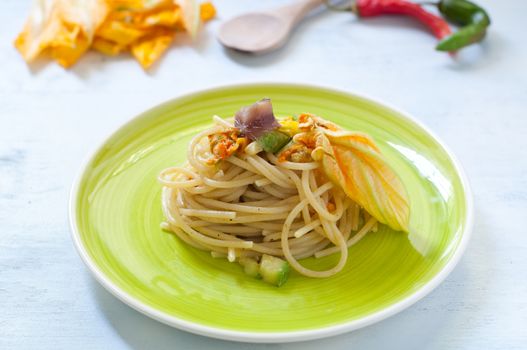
[(50, 119)]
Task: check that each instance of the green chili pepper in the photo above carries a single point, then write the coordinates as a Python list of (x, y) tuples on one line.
[(473, 18)]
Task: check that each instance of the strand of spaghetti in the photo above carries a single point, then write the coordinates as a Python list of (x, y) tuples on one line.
[(276, 236), (336, 233), (270, 172), (322, 212), (308, 248), (255, 195), (262, 248), (339, 203), (295, 264), (222, 122), (198, 189), (309, 227), (298, 183), (273, 169), (217, 193), (342, 223), (165, 178), (349, 221), (197, 223), (274, 192), (174, 217), (308, 239), (243, 208), (185, 238), (232, 171), (242, 164), (249, 218), (328, 232), (356, 215), (253, 148), (179, 198), (172, 171), (309, 253), (237, 230), (190, 150), (219, 175), (202, 213), (290, 191), (263, 182), (305, 214), (234, 196), (189, 202), (204, 239), (357, 237), (230, 184), (219, 235), (273, 227), (291, 165), (273, 202)]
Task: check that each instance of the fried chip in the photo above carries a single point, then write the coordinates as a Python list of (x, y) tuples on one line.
[(170, 17), (191, 16), (107, 47), (207, 11), (66, 29), (148, 50), (62, 28), (138, 5), (119, 33)]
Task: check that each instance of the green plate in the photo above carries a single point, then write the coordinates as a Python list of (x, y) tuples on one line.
[(115, 213)]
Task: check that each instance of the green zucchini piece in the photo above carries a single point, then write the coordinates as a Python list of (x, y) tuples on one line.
[(250, 267), (274, 270), (273, 141)]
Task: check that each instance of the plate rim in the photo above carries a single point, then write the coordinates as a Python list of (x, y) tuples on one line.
[(272, 337)]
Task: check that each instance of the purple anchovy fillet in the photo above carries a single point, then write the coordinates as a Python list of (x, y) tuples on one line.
[(256, 119)]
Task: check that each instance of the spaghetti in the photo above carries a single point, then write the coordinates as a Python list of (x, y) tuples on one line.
[(260, 190), (252, 203)]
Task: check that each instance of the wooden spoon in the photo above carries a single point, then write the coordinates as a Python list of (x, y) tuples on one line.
[(261, 32)]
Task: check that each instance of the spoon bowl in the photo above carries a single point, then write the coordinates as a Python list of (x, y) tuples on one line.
[(262, 32), (254, 33)]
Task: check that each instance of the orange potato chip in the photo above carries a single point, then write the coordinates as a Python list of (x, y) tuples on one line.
[(137, 5), (148, 50), (207, 11), (67, 55), (106, 47), (119, 32), (170, 17), (63, 28)]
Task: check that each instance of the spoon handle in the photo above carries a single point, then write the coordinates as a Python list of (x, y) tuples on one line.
[(295, 12)]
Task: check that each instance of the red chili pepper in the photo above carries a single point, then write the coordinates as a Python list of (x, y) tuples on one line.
[(372, 8)]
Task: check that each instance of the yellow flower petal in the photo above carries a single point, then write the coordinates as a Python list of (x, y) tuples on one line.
[(353, 161)]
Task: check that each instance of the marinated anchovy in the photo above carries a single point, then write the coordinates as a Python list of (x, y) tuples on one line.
[(256, 119)]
